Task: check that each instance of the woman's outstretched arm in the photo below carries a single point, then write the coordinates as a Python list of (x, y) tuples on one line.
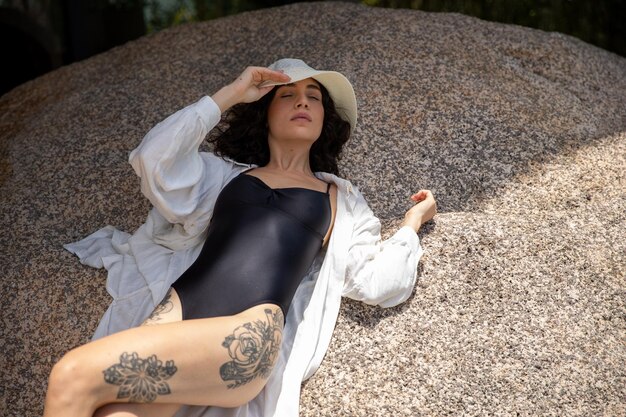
[(384, 272), (424, 209)]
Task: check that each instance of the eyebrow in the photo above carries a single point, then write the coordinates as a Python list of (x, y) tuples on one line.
[(314, 86)]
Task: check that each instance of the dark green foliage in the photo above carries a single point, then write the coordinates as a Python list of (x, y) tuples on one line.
[(599, 22)]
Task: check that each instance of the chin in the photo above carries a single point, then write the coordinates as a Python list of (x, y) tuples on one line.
[(297, 136)]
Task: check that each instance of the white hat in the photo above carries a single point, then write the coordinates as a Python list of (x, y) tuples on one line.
[(338, 86)]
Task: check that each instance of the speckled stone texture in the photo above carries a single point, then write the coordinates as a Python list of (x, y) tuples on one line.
[(520, 306)]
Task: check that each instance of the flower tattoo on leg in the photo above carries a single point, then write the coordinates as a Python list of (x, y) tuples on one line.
[(253, 348), (140, 380), (165, 306)]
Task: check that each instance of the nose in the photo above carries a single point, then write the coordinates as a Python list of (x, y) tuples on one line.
[(302, 101)]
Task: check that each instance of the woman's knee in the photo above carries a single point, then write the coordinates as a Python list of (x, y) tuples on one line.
[(70, 382)]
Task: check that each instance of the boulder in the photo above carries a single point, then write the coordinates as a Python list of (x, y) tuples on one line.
[(519, 308)]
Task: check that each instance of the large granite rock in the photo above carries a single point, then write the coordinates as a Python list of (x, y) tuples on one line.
[(520, 308)]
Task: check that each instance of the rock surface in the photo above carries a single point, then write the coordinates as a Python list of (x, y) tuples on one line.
[(520, 307)]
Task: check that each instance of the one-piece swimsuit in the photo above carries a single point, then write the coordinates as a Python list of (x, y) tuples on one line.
[(260, 244)]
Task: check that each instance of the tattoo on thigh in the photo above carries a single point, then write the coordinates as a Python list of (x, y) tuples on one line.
[(253, 349), (140, 380), (165, 306)]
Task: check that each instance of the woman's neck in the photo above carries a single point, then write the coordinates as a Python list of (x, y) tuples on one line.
[(290, 157)]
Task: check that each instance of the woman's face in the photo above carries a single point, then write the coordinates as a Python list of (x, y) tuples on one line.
[(296, 111)]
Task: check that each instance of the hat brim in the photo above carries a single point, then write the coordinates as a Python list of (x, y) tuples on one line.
[(338, 87)]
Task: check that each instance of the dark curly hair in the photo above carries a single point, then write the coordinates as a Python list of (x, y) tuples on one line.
[(244, 136)]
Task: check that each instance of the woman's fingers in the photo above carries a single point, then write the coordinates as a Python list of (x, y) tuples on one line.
[(424, 209), (248, 87), (248, 84), (421, 195), (261, 74), (255, 76)]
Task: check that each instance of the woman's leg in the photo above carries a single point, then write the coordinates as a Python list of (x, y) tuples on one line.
[(137, 410), (223, 361), (167, 311)]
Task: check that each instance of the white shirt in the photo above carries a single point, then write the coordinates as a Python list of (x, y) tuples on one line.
[(183, 184)]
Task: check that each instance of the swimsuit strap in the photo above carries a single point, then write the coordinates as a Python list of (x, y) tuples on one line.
[(328, 189)]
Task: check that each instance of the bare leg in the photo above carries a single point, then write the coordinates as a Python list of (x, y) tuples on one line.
[(223, 361), (137, 410), (167, 311)]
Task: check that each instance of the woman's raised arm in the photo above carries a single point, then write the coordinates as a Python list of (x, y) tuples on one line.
[(173, 174), (246, 88)]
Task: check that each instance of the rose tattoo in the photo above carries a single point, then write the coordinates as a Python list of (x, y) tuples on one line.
[(253, 348)]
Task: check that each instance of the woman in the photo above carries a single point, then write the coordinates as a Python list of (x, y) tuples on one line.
[(241, 318)]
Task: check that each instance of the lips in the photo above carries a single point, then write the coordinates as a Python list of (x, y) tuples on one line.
[(302, 116)]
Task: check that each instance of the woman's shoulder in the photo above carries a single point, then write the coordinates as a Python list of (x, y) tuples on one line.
[(222, 167), (343, 185), (350, 193), (222, 160)]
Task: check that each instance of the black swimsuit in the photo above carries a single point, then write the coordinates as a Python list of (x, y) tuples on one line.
[(260, 244)]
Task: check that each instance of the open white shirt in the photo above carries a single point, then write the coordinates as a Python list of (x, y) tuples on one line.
[(183, 184)]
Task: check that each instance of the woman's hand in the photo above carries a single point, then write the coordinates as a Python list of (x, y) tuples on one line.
[(245, 89), (424, 209)]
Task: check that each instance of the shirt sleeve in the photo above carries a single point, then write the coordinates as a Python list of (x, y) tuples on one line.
[(173, 173), (380, 272)]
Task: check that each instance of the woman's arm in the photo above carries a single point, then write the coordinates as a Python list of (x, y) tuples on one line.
[(245, 89), (424, 210), (384, 272), (169, 164), (172, 171)]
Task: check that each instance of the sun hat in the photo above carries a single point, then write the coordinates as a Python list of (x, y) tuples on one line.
[(337, 84)]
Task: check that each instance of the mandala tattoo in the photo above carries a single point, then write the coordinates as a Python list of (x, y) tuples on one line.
[(140, 380), (165, 306), (253, 349)]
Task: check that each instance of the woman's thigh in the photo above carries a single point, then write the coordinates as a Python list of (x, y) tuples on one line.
[(222, 361), (137, 410), (167, 311)]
